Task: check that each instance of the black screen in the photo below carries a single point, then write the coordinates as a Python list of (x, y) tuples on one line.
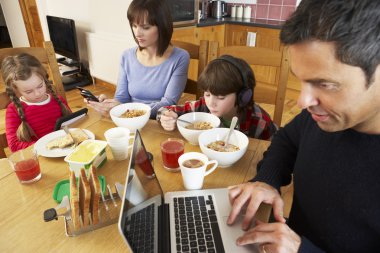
[(63, 36)]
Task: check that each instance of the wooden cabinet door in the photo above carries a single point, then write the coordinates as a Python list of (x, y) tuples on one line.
[(236, 35), (211, 33), (186, 34)]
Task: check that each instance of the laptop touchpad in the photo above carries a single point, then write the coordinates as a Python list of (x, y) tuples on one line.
[(234, 232)]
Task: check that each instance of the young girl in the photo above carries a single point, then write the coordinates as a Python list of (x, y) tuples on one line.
[(35, 107), (154, 72), (228, 85)]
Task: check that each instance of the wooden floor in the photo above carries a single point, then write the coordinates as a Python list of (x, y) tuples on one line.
[(75, 101)]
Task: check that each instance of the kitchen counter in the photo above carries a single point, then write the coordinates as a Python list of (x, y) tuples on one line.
[(276, 24)]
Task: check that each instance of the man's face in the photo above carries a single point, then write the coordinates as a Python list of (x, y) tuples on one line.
[(335, 93)]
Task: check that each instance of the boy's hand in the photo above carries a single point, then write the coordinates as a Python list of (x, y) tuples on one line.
[(168, 120)]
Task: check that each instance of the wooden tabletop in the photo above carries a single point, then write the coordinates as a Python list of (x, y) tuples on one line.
[(22, 228)]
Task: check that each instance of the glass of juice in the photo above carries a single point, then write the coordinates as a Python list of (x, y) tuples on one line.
[(26, 166), (171, 150)]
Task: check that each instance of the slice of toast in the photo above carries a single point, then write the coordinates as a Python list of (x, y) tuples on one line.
[(95, 195), (84, 198), (74, 201), (60, 142)]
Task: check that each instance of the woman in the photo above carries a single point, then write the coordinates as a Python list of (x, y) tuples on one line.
[(154, 72)]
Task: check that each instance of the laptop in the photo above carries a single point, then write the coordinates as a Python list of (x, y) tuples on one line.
[(183, 221)]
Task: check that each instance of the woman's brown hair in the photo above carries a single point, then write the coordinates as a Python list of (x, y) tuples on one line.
[(158, 14), (21, 67)]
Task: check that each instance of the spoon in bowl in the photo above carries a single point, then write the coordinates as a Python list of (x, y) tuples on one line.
[(232, 127), (184, 121)]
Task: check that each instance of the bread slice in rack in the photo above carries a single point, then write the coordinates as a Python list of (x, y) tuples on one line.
[(84, 197), (95, 195), (74, 201)]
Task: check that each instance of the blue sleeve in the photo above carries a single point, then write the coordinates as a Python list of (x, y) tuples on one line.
[(122, 92), (176, 83)]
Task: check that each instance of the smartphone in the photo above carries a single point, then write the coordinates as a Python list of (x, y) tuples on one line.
[(87, 94)]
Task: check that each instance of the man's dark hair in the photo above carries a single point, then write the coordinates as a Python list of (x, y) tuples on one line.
[(158, 14), (353, 25)]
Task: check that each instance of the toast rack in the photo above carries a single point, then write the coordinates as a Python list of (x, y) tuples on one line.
[(109, 210)]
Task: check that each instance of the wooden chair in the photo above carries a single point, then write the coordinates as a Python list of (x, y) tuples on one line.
[(198, 53), (46, 56), (273, 64)]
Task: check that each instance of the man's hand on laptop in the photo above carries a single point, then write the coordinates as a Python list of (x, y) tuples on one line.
[(251, 195), (272, 237)]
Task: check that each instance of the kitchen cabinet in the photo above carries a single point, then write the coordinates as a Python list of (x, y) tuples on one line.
[(236, 35), (211, 33), (194, 35)]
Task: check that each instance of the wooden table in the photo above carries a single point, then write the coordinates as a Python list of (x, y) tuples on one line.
[(22, 228)]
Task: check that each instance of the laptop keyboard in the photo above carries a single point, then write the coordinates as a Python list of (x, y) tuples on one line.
[(140, 229), (196, 225)]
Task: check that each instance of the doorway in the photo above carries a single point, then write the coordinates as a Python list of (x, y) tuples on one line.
[(5, 39)]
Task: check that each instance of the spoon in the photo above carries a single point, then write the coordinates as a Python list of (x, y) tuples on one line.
[(232, 127), (184, 121)]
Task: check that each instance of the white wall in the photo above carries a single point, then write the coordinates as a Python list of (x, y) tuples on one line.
[(15, 24), (105, 20)]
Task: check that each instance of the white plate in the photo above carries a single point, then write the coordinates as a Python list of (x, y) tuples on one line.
[(40, 145)]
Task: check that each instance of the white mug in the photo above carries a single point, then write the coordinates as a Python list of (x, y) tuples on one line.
[(118, 139), (193, 175)]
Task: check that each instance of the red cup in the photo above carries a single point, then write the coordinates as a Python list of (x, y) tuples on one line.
[(171, 150), (26, 166)]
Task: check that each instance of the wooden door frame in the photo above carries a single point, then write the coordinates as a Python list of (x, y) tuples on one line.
[(32, 22)]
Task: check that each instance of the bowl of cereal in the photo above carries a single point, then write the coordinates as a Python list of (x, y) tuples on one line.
[(198, 123), (130, 115), (213, 146)]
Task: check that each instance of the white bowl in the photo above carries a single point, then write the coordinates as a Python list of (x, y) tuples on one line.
[(191, 135), (131, 123), (225, 159)]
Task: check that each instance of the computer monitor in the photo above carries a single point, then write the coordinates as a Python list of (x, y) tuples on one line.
[(63, 36)]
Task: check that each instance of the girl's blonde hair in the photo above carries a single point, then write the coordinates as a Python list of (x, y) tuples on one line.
[(21, 67)]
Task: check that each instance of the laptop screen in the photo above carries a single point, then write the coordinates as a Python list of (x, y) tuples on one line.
[(141, 187)]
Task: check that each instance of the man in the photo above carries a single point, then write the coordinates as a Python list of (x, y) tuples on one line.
[(331, 148)]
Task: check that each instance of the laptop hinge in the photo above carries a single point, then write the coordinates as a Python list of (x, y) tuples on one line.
[(163, 229)]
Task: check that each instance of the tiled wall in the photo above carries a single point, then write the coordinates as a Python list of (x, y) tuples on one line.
[(272, 9)]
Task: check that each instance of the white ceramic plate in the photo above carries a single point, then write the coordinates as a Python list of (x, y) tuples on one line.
[(40, 145)]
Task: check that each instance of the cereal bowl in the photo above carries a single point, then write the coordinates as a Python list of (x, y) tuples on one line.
[(225, 159), (191, 135), (124, 115)]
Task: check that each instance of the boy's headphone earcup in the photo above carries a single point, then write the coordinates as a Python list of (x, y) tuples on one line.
[(244, 97)]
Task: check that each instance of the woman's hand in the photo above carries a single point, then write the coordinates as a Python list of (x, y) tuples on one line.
[(104, 105), (272, 238), (168, 120), (251, 195)]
